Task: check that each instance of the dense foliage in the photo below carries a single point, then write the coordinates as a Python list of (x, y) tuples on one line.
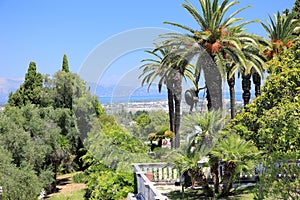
[(53, 124), (18, 182), (272, 122), (42, 128), (111, 150)]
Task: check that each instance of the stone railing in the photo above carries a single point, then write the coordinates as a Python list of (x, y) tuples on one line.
[(1, 191), (149, 174)]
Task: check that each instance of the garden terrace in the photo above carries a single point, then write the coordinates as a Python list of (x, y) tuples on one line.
[(156, 180)]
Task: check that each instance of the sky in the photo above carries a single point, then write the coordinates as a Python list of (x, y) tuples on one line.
[(43, 31)]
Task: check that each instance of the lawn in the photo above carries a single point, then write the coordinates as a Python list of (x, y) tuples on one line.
[(74, 195)]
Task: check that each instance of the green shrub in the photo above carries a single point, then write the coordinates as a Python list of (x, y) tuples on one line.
[(17, 182), (107, 185), (280, 179), (79, 177)]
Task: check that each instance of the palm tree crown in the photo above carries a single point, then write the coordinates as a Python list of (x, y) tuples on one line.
[(224, 40), (169, 69), (280, 30), (217, 33)]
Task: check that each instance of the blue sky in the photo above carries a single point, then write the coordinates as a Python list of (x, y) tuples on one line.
[(42, 31)]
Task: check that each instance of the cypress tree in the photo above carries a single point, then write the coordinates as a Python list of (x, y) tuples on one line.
[(33, 84), (30, 90), (65, 64)]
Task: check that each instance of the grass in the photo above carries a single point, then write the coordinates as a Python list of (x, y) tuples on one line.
[(75, 195), (68, 190)]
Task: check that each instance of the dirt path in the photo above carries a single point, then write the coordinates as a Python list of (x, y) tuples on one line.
[(66, 186)]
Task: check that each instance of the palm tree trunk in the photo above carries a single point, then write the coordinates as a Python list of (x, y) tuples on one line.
[(177, 98), (197, 90), (215, 172), (201, 179), (229, 169), (213, 80), (208, 98), (257, 82), (196, 100), (171, 112), (231, 83), (246, 85)]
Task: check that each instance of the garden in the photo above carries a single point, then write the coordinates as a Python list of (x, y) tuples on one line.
[(52, 125)]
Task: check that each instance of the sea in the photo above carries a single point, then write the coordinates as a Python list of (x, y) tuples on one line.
[(121, 99)]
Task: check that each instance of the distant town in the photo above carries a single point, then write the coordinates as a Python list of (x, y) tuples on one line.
[(134, 106), (150, 105)]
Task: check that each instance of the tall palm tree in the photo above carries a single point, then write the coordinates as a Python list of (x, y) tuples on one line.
[(153, 69), (218, 35), (169, 70), (231, 84), (254, 64)]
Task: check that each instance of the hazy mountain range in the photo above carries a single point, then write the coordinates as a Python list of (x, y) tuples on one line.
[(8, 85)]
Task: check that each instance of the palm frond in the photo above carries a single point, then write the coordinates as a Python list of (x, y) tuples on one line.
[(231, 16), (221, 62), (180, 26), (191, 9)]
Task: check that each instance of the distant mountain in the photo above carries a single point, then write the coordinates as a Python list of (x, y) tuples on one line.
[(7, 86), (113, 91)]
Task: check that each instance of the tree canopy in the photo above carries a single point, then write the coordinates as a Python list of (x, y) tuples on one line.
[(272, 120), (30, 91)]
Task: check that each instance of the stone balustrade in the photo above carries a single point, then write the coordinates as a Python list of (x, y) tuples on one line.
[(1, 191), (149, 174)]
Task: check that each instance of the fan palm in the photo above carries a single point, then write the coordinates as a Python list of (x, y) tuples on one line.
[(221, 37), (202, 141), (235, 152)]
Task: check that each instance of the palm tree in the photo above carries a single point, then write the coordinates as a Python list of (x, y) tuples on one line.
[(236, 153), (255, 63), (205, 129), (255, 67), (219, 36), (169, 70), (231, 83), (281, 31), (153, 69)]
